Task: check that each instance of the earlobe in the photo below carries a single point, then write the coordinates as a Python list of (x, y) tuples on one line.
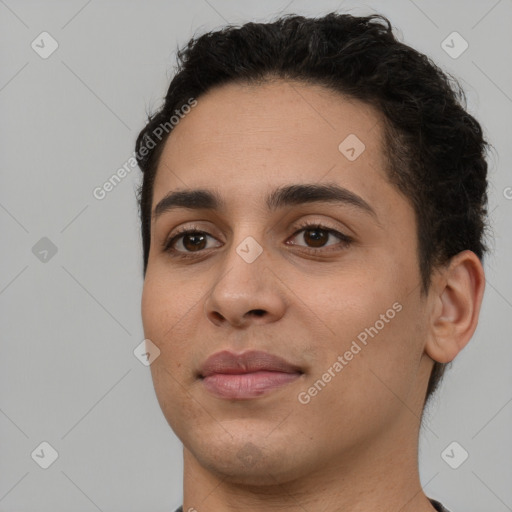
[(458, 291)]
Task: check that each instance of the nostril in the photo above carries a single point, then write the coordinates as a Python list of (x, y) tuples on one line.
[(217, 316), (258, 312)]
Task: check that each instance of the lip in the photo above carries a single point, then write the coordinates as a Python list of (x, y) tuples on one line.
[(247, 375)]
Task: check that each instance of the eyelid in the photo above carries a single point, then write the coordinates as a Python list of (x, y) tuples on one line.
[(321, 226), (180, 232)]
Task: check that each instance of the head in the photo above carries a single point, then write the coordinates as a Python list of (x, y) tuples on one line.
[(259, 112)]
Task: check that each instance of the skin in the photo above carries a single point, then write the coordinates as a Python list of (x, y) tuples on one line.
[(353, 447)]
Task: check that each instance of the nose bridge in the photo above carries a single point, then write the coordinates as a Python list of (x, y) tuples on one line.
[(246, 252), (244, 266), (245, 283)]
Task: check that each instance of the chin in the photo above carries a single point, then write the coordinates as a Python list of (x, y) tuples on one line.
[(248, 463)]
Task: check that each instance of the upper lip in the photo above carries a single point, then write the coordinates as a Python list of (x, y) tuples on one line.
[(246, 362)]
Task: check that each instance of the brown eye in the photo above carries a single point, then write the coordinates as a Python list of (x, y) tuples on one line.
[(188, 241), (194, 241), (316, 237)]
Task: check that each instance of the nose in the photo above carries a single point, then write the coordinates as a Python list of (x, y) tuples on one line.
[(245, 293)]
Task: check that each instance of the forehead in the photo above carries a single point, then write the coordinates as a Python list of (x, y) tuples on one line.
[(241, 138)]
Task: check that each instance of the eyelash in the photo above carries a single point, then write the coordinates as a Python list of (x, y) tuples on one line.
[(305, 226)]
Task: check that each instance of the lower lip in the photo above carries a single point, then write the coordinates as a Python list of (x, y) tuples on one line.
[(247, 385)]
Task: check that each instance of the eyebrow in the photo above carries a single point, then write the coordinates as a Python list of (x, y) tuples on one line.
[(289, 195)]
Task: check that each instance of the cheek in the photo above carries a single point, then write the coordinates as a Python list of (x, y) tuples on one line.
[(154, 304), (350, 303), (170, 309), (373, 325), (163, 314), (165, 302), (163, 311), (385, 370)]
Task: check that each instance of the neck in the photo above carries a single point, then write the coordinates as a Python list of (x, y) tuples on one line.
[(376, 476)]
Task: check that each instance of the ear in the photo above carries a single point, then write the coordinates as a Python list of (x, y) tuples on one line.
[(457, 291)]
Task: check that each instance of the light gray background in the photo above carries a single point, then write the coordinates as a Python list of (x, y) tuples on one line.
[(68, 375)]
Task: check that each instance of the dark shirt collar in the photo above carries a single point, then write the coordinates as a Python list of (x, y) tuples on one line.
[(435, 504)]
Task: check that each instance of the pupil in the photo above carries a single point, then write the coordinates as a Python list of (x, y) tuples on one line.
[(317, 240)]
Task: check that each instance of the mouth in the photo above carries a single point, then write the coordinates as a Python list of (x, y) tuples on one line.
[(248, 375)]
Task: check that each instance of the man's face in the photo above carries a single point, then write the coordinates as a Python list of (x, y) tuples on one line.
[(310, 297)]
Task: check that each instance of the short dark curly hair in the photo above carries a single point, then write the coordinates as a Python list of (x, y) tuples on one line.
[(435, 149)]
